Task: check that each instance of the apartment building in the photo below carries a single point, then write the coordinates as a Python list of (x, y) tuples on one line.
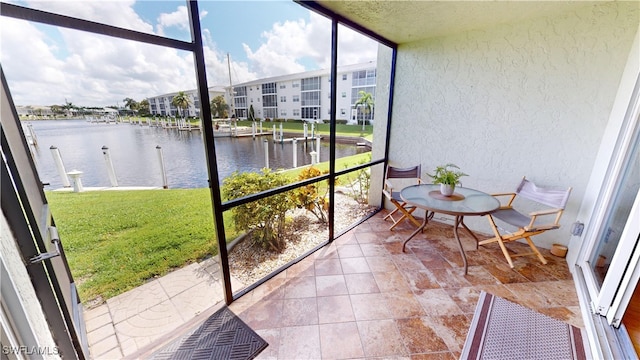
[(302, 96)]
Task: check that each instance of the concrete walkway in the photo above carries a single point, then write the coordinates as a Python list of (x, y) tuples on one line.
[(150, 314)]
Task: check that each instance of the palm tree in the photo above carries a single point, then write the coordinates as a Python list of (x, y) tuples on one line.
[(219, 107), (181, 101), (143, 107), (131, 104), (366, 101)]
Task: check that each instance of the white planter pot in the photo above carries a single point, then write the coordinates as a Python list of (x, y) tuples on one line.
[(446, 189)]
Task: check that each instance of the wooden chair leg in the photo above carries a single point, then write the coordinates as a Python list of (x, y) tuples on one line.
[(498, 239), (535, 250)]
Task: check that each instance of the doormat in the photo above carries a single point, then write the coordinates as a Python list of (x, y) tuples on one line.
[(222, 336), (504, 330)]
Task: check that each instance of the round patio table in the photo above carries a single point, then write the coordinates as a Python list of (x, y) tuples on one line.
[(463, 202)]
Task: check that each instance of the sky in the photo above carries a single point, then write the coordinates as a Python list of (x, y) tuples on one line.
[(45, 65)]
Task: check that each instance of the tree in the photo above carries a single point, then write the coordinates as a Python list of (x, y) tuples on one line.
[(131, 104), (181, 101), (143, 108), (252, 115), (219, 107), (366, 101)]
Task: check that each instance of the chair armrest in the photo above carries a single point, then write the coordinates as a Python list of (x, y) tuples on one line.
[(545, 212), (534, 215), (508, 205), (388, 184)]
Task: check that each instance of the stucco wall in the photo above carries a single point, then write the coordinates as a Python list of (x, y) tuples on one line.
[(527, 99)]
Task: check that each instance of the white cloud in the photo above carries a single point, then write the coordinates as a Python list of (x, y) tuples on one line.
[(46, 65), (288, 44)]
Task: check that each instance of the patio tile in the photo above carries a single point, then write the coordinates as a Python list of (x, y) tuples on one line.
[(361, 283), (421, 280), (373, 250), (300, 342), (349, 251), (333, 309), (340, 341), (505, 274), (391, 281), (380, 263), (407, 262), (331, 285), (370, 307), (328, 267), (300, 312), (452, 329), (368, 238), (355, 265), (98, 318), (437, 302), (380, 338), (533, 272), (263, 315), (304, 268), (300, 287), (419, 337), (450, 278), (466, 298), (272, 337), (403, 305), (445, 355)]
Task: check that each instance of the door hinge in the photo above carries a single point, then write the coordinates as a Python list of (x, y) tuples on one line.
[(55, 240)]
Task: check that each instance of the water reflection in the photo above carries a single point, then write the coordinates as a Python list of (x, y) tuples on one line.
[(135, 158)]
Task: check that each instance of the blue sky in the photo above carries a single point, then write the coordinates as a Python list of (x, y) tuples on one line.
[(45, 65)]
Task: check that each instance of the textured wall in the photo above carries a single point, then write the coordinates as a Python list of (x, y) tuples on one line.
[(531, 98)]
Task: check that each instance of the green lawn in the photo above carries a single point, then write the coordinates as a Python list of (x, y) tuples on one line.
[(117, 240)]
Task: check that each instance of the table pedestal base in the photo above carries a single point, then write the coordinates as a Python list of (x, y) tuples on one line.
[(459, 221)]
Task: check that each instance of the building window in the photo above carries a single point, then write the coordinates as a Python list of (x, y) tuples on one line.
[(283, 99), (296, 112), (283, 112), (295, 85), (343, 112), (344, 76), (269, 88), (344, 94), (283, 86), (296, 98)]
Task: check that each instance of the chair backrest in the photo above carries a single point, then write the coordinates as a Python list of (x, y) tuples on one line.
[(555, 198), (403, 173)]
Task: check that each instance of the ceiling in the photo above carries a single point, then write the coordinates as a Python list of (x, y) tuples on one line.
[(407, 21)]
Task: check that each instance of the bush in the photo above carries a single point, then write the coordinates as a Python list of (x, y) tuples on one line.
[(309, 198), (265, 218), (362, 182)]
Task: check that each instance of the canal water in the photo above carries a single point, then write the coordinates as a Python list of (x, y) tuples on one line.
[(135, 158)]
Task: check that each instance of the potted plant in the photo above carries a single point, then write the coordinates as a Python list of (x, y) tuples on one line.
[(447, 177)]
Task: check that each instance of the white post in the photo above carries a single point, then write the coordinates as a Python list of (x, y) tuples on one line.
[(295, 153), (313, 130), (318, 147), (281, 135), (60, 165), (266, 153), (314, 157), (77, 183), (253, 129), (274, 132), (163, 172), (112, 173), (304, 128), (32, 133)]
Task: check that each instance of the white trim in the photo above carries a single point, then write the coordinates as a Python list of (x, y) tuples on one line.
[(627, 280)]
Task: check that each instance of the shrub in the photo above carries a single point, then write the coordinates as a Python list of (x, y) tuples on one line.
[(265, 218), (362, 182), (309, 198)]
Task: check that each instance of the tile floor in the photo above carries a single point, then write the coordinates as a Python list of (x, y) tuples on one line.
[(362, 297)]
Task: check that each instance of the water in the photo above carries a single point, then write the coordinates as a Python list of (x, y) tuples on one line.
[(135, 158)]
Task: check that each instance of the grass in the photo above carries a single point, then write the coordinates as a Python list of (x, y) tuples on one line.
[(117, 240)]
